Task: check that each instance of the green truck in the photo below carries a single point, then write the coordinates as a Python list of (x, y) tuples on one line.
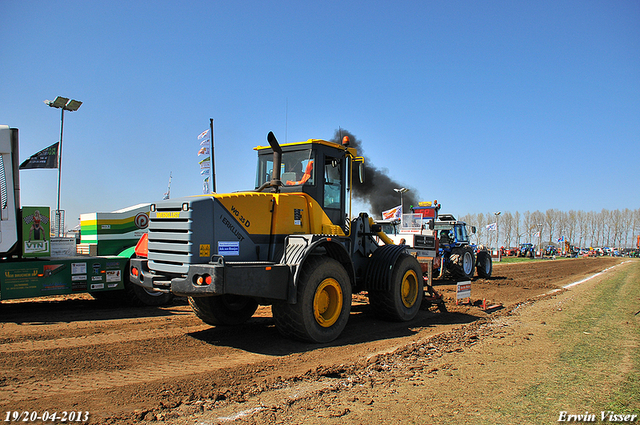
[(34, 264)]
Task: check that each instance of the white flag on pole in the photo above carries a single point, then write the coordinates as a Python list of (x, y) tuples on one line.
[(393, 213)]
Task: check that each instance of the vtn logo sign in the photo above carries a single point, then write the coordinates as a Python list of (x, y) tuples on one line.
[(36, 246)]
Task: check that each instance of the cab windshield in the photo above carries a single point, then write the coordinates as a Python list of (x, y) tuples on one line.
[(296, 168)]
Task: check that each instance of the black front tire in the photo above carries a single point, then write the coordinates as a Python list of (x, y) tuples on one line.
[(324, 303), (402, 301), (223, 309), (484, 264)]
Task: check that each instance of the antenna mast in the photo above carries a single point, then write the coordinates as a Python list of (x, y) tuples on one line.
[(168, 194)]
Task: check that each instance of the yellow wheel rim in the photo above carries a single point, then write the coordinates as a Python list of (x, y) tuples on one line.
[(409, 288), (327, 302)]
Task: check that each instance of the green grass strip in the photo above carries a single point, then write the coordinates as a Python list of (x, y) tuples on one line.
[(598, 361)]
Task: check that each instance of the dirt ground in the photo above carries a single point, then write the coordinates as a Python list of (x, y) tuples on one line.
[(145, 365)]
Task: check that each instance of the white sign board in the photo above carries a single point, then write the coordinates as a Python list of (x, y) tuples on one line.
[(63, 247), (463, 290)]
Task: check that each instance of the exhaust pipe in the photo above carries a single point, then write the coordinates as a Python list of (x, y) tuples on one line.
[(277, 159), (277, 162)]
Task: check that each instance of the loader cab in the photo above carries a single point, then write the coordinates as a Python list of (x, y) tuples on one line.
[(315, 167)]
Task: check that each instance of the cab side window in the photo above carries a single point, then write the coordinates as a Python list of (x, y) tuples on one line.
[(332, 182)]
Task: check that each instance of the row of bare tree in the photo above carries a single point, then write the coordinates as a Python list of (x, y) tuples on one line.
[(616, 228)]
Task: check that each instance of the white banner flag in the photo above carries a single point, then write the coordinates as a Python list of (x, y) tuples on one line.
[(203, 134), (393, 213)]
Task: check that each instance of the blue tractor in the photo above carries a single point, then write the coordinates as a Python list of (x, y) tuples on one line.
[(458, 257), (526, 250)]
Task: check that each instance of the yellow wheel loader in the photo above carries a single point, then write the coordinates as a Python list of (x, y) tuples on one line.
[(289, 243)]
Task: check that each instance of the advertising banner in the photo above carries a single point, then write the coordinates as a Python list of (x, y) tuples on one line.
[(46, 158), (36, 229)]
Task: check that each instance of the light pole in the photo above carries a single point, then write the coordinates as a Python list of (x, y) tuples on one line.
[(401, 191), (64, 104), (497, 213)]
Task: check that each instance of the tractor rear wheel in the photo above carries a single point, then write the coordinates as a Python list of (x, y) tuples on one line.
[(223, 309), (462, 264), (324, 303), (402, 301), (484, 264)]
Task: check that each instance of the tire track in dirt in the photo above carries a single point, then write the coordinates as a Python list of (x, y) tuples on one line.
[(159, 369), (97, 339), (22, 324)]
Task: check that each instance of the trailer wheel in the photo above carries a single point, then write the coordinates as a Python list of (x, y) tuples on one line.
[(223, 309), (485, 264), (462, 264), (402, 301), (324, 303)]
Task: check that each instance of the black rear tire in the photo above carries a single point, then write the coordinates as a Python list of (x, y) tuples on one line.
[(401, 302), (324, 303), (462, 263), (223, 309)]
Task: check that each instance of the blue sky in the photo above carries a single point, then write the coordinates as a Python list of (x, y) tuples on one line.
[(485, 106)]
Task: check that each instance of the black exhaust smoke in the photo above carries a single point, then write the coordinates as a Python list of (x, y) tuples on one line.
[(378, 188)]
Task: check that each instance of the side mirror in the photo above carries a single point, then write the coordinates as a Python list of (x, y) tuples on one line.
[(431, 225), (361, 172), (473, 230)]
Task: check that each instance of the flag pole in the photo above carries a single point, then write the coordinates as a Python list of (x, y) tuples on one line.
[(213, 162)]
